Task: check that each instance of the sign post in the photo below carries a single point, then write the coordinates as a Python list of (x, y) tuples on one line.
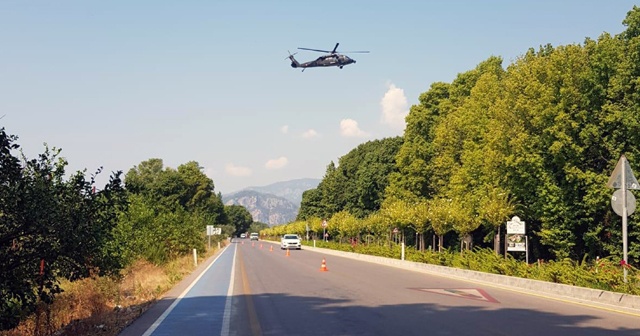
[(307, 227), (324, 230), (516, 239), (211, 230), (623, 201)]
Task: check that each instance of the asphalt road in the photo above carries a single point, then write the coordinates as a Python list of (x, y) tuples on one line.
[(276, 294)]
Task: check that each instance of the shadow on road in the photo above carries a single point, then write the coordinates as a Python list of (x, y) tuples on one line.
[(292, 315)]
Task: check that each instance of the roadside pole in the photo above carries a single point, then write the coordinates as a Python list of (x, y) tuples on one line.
[(624, 225), (623, 202)]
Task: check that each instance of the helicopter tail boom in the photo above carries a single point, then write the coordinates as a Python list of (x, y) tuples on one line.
[(294, 63)]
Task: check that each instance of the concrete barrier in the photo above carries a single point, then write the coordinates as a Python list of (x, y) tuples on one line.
[(537, 287)]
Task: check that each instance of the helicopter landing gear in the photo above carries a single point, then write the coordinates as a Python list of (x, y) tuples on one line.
[(340, 66)]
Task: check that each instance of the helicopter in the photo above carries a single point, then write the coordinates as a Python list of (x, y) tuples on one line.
[(333, 58)]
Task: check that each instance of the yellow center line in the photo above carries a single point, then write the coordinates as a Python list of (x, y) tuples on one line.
[(254, 323)]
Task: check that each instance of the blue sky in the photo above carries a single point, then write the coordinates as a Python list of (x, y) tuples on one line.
[(115, 83)]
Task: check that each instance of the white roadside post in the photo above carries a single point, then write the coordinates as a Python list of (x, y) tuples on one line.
[(195, 257), (623, 202)]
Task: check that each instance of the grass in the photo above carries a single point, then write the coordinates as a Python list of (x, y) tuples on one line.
[(103, 305)]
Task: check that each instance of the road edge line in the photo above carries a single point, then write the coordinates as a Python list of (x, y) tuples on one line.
[(226, 316), (164, 315)]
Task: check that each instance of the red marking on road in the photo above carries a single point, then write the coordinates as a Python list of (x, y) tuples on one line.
[(464, 293)]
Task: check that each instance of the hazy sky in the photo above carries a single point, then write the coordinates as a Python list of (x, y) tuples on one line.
[(115, 83)]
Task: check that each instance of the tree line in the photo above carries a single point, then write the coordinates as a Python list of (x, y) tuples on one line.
[(537, 139)]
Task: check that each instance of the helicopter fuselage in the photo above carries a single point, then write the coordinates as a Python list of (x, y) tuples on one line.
[(324, 61), (332, 58)]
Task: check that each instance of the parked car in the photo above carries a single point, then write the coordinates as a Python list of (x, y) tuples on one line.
[(255, 236), (290, 241), (243, 235)]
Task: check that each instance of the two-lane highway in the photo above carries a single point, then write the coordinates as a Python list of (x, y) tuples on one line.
[(270, 293)]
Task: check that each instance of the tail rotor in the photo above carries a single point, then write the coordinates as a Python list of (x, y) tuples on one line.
[(294, 63), (290, 54)]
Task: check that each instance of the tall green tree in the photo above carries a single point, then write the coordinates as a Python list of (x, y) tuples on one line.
[(51, 228), (357, 184), (239, 217), (170, 209)]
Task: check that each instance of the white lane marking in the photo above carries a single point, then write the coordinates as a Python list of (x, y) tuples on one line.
[(226, 317), (164, 315)]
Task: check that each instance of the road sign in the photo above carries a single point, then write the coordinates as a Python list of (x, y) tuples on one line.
[(395, 230), (212, 230), (622, 178), (324, 223), (616, 202), (515, 226), (615, 181)]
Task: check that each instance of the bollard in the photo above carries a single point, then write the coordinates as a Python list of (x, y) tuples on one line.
[(195, 257)]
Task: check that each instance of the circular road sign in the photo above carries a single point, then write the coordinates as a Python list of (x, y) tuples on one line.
[(324, 223), (395, 230), (616, 202)]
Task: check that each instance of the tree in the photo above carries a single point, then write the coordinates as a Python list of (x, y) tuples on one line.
[(357, 184), (170, 210), (239, 217), (51, 228)]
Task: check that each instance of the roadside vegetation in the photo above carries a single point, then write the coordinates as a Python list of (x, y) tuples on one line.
[(106, 305)]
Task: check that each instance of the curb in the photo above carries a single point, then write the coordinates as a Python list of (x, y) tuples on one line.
[(538, 287)]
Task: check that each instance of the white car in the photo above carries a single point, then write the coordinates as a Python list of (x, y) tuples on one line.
[(290, 241)]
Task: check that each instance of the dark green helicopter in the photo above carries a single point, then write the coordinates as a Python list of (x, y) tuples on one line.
[(333, 58)]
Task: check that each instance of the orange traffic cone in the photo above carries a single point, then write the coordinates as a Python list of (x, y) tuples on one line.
[(253, 244), (271, 248), (260, 245), (287, 254), (323, 267)]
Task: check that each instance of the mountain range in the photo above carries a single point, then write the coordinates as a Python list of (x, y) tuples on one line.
[(273, 204)]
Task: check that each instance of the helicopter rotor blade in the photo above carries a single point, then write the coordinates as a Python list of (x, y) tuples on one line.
[(334, 48), (318, 50), (354, 52)]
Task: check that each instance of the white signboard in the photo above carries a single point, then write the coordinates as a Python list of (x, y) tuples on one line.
[(516, 242), (211, 230), (515, 226)]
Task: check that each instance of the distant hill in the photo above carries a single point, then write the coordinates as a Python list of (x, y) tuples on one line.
[(265, 208), (291, 190), (274, 204)]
